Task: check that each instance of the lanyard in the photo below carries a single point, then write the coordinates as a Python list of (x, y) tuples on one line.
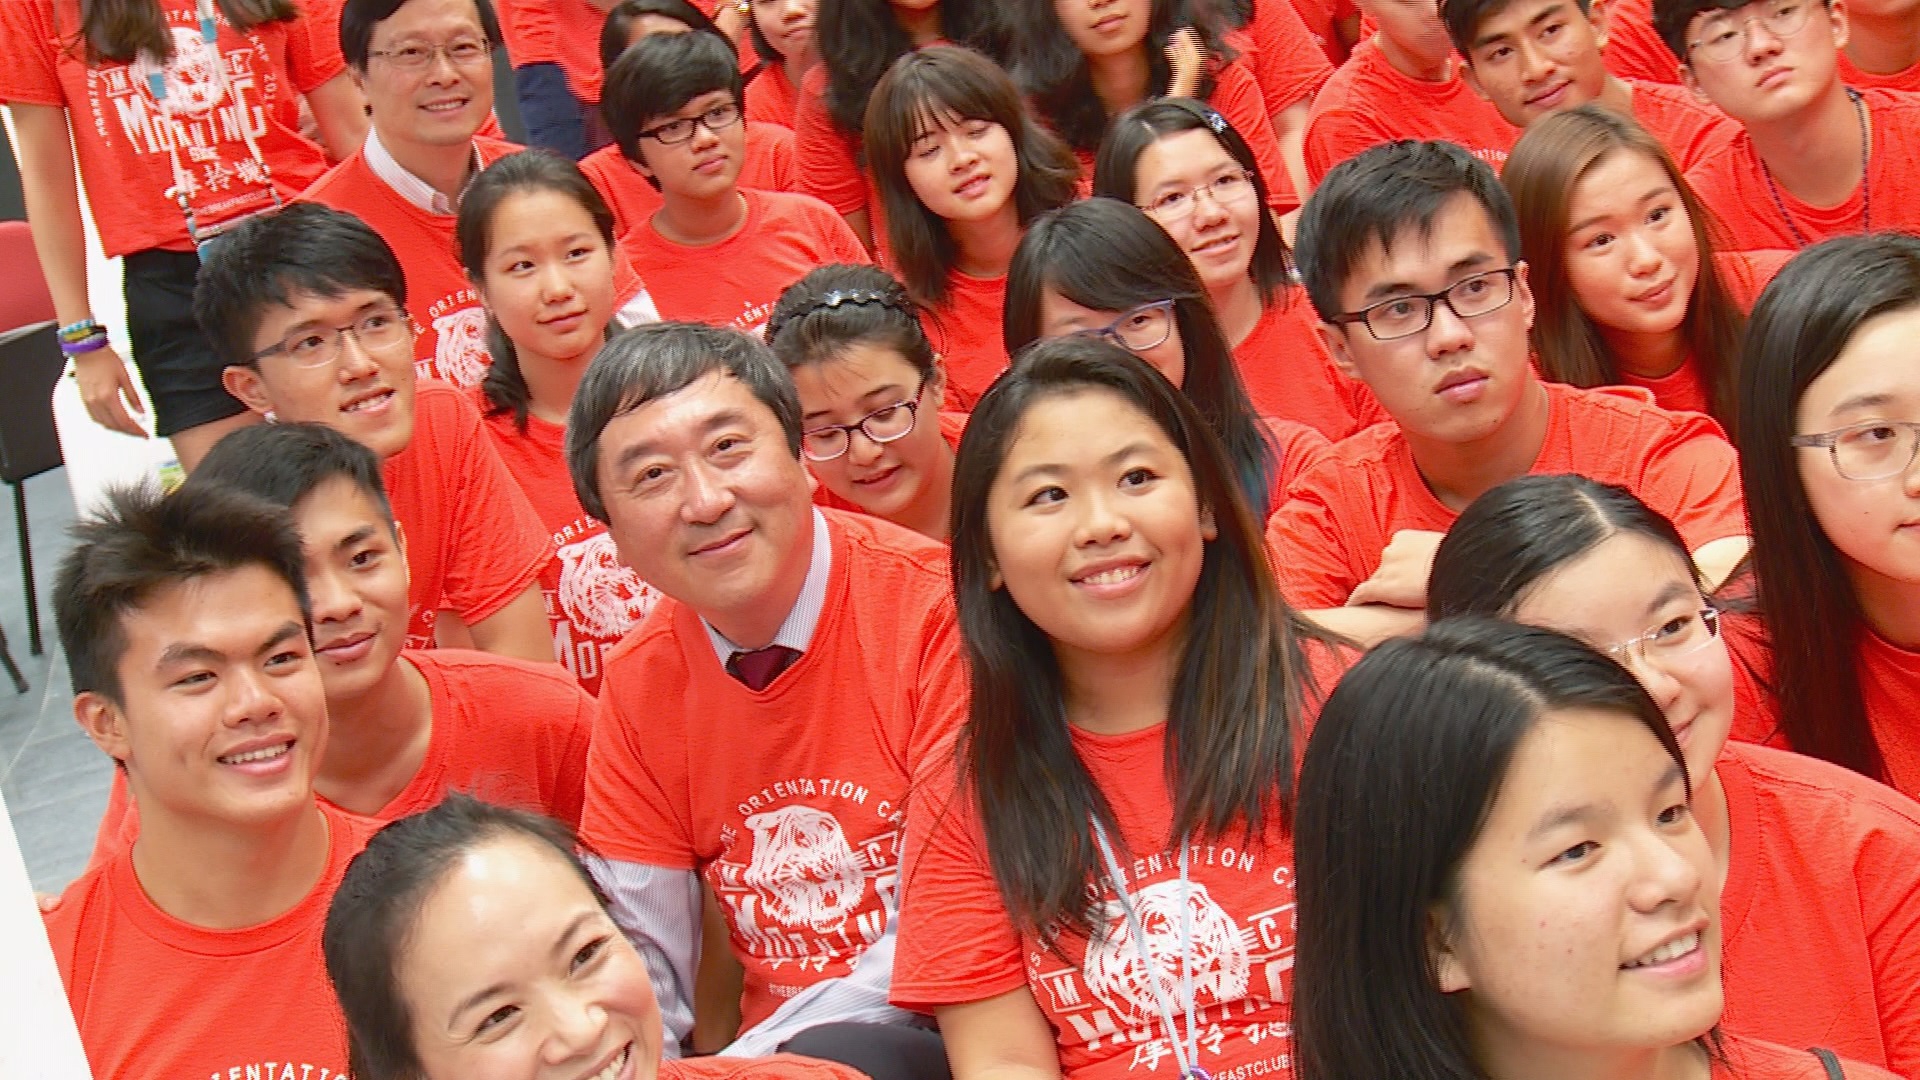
[(1186, 1055), (183, 183)]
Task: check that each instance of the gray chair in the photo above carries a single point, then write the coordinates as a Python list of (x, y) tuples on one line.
[(31, 362)]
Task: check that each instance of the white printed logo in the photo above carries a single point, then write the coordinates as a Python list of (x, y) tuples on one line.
[(599, 596), (803, 869), (1116, 973), (193, 80), (461, 351)]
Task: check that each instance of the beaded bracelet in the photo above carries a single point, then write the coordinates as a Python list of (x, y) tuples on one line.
[(81, 331)]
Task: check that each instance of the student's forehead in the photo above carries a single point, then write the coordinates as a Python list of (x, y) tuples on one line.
[(1419, 253), (1518, 13), (225, 609), (416, 16), (688, 411), (337, 506), (703, 101)]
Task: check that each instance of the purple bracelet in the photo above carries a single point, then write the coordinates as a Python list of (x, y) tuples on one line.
[(85, 345)]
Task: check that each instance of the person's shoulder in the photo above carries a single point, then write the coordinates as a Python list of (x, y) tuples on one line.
[(1612, 411), (652, 642), (1367, 449), (1828, 799), (527, 687), (772, 1067), (874, 546), (794, 206), (340, 185), (82, 902), (1904, 104), (604, 160), (492, 150), (1750, 1059), (1671, 97)]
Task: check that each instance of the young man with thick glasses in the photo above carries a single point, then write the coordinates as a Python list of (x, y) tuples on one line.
[(1816, 158), (714, 252), (307, 308), (1411, 255)]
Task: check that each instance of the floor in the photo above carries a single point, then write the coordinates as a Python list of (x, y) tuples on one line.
[(53, 779)]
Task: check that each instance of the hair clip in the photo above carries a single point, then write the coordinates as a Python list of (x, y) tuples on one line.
[(1215, 122), (837, 297)]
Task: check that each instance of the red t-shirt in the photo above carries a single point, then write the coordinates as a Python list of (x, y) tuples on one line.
[(1735, 185), (771, 1067), (1296, 449), (564, 32), (1744, 273), (1906, 80), (737, 281), (1322, 19), (768, 167), (1634, 50), (157, 997), (796, 827), (1748, 1059), (966, 332), (1369, 102), (1820, 913), (592, 598), (473, 543), (829, 157), (1329, 536), (1289, 374), (1691, 130), (122, 134), (1283, 54), (1237, 97), (772, 98)]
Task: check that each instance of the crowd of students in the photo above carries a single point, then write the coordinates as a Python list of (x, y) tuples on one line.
[(930, 539)]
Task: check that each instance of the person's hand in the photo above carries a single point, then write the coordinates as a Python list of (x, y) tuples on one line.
[(46, 902), (108, 391), (1405, 566), (1187, 55)]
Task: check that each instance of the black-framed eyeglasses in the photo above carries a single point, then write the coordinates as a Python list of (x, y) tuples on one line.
[(1405, 316), (1726, 32), (381, 330), (675, 132), (889, 423), (418, 55), (1137, 329), (1872, 450), (1227, 189)]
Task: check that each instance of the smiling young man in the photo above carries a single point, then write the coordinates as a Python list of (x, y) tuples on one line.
[(763, 728), (274, 296), (1411, 255), (1533, 58), (196, 951), (714, 252), (1815, 158)]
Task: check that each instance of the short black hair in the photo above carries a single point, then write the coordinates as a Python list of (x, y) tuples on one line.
[(1672, 17), (618, 25), (283, 463), (1377, 195), (359, 17), (1463, 19), (271, 260), (141, 543), (650, 362), (659, 75)]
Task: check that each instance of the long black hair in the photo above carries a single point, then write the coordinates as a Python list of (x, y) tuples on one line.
[(1106, 255), (620, 19), (1116, 174), (1053, 70), (1801, 324), (121, 30), (1405, 764), (1236, 697), (522, 173), (859, 40)]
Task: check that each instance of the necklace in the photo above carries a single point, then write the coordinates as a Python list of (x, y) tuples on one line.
[(1866, 179), (1186, 1055)]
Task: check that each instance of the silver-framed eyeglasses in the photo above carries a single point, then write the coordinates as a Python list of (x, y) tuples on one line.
[(887, 424), (1872, 450), (1724, 33), (675, 132), (1405, 316), (381, 330), (1227, 189), (1677, 637), (463, 52), (1137, 329)]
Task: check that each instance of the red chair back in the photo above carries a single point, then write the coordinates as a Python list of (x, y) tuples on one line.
[(24, 299)]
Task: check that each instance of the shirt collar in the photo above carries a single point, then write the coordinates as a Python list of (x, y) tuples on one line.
[(406, 185), (797, 632)]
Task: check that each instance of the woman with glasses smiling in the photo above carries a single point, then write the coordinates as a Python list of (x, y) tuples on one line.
[(871, 390), (1820, 937), (1102, 268)]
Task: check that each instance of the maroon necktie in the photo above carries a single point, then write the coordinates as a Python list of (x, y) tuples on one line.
[(758, 667)]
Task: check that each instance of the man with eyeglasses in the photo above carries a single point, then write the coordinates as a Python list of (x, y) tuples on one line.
[(1815, 158), (1411, 256), (763, 730), (426, 69), (307, 308), (714, 252)]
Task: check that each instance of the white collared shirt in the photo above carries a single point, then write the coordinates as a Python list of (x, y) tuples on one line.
[(406, 185), (796, 632)]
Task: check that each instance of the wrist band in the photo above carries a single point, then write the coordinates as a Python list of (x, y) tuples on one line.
[(81, 330), (85, 345)]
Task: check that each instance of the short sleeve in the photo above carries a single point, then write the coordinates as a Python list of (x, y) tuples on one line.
[(957, 943), (1333, 137), (1693, 477), (1289, 64), (1237, 96), (313, 46), (31, 75), (828, 158), (943, 696), (496, 543), (1308, 548), (628, 814), (843, 244)]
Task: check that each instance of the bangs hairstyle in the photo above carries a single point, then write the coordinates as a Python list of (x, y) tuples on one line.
[(652, 361), (1515, 534), (837, 307), (359, 17), (141, 543), (1803, 322), (1381, 194), (1405, 765), (121, 31), (1671, 18), (621, 17), (1548, 162), (658, 76), (1106, 255), (1236, 697), (1463, 19), (373, 914), (284, 463), (528, 172), (274, 260), (945, 84), (1053, 71), (1116, 174), (858, 40)]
